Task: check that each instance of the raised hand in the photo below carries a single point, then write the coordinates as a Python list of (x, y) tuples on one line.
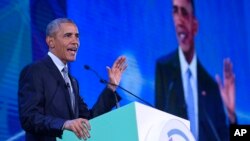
[(227, 89), (116, 72)]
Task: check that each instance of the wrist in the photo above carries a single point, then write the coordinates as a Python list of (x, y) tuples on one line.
[(63, 127), (111, 86), (232, 116)]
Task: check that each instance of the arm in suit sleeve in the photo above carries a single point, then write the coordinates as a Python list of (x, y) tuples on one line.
[(105, 102), (159, 97), (108, 98), (31, 103)]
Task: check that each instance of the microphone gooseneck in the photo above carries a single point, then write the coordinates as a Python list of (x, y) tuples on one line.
[(86, 67), (102, 81), (210, 122), (106, 82)]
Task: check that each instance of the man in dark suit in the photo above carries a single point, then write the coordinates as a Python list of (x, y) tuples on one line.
[(48, 97), (184, 88)]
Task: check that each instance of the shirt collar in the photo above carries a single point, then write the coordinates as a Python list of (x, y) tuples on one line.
[(59, 64), (184, 64)]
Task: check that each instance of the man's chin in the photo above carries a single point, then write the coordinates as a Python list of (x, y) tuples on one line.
[(71, 59), (185, 48)]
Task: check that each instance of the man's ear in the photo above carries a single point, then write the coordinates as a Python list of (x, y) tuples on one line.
[(195, 26), (50, 42)]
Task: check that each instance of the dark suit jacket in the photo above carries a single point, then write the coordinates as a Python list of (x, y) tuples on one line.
[(44, 101), (170, 98)]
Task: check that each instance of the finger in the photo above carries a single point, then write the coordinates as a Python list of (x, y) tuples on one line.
[(124, 67), (218, 80), (86, 122), (86, 132), (85, 127), (117, 62), (79, 129), (109, 70), (233, 79), (227, 68), (231, 70), (73, 126), (220, 85), (123, 60), (120, 61), (75, 131), (121, 64)]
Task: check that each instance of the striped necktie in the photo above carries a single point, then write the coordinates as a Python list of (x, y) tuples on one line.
[(190, 104), (69, 86)]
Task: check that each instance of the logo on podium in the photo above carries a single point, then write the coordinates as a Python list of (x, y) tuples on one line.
[(171, 130)]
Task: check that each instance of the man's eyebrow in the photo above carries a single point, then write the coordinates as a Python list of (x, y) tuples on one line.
[(68, 33)]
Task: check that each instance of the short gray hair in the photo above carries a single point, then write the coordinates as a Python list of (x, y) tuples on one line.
[(55, 24)]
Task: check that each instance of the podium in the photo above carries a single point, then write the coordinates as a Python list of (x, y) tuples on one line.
[(136, 122)]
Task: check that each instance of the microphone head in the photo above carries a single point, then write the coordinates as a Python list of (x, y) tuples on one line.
[(103, 81), (86, 67)]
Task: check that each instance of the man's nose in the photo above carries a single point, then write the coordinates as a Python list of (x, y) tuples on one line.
[(178, 18), (76, 41)]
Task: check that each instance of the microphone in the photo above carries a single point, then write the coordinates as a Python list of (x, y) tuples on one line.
[(170, 89), (103, 81), (97, 74), (106, 82), (209, 121), (67, 85)]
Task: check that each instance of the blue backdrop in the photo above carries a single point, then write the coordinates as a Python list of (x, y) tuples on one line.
[(142, 30)]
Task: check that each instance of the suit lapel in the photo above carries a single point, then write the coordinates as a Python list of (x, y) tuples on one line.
[(177, 93), (202, 91), (180, 89), (57, 76)]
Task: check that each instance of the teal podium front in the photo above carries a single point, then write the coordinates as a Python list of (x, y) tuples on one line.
[(135, 122)]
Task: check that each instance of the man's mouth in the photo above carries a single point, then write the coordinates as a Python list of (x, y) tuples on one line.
[(182, 36), (72, 50)]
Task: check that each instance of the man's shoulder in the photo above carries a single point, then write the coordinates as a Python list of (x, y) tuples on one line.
[(168, 59), (205, 78), (38, 65)]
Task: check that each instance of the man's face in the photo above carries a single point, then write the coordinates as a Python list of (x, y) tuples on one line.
[(65, 42), (185, 24)]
